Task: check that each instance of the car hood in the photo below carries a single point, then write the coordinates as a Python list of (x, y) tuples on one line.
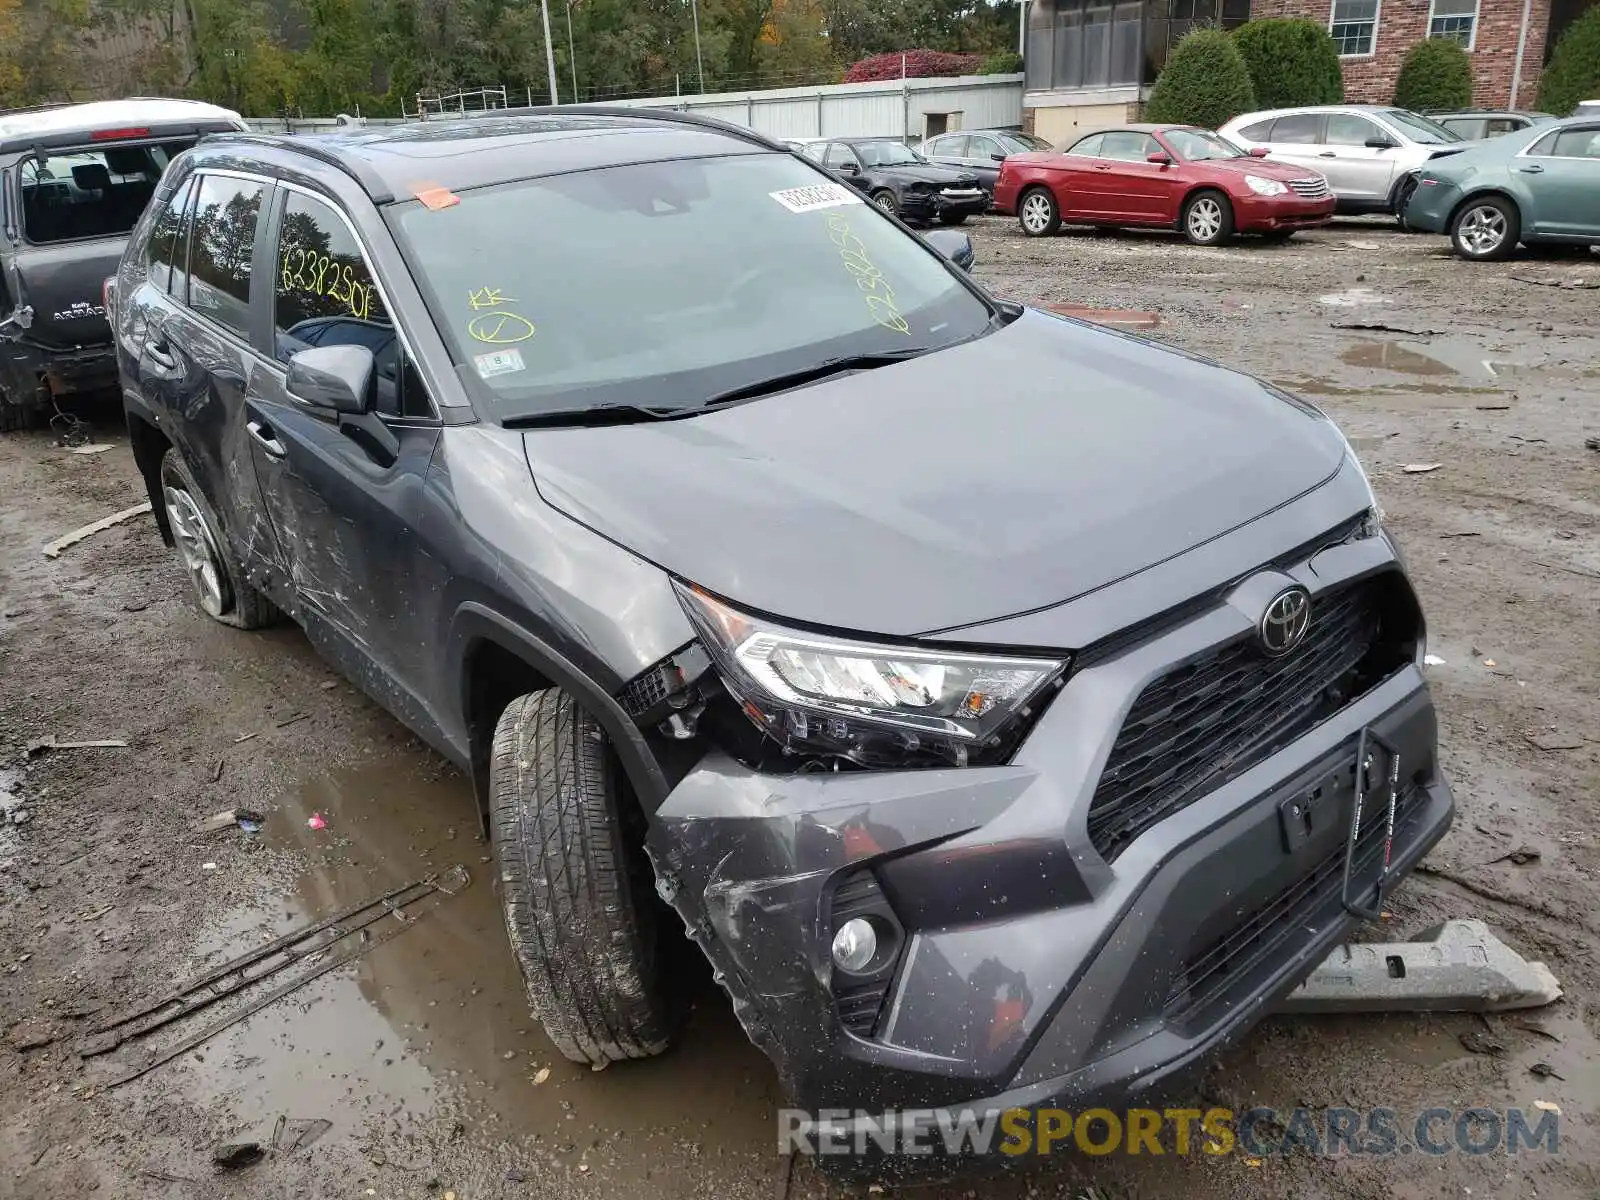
[(999, 476), (1266, 168), (927, 173)]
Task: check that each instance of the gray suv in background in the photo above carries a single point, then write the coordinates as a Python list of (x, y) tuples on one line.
[(981, 151), (1369, 153)]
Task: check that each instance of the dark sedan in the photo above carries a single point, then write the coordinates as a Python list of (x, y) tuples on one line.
[(901, 181)]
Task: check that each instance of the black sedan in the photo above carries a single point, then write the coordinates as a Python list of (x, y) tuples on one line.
[(901, 181)]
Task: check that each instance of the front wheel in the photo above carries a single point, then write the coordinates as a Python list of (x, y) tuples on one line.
[(1038, 213), (575, 886), (886, 200), (214, 574), (1208, 219), (1486, 230), (949, 218)]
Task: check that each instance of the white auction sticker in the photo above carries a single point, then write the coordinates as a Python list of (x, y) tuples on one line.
[(817, 196), (501, 362)]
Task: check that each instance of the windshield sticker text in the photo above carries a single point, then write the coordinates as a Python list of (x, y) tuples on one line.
[(499, 362), (495, 325), (876, 290), (817, 196), (321, 275)]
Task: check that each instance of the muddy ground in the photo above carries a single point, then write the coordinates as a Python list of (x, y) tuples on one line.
[(421, 1053)]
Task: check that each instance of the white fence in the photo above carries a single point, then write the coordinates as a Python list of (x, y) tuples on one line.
[(909, 108)]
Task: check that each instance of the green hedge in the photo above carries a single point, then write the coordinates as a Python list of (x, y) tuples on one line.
[(1291, 62), (1205, 82), (1436, 76), (1574, 70), (1002, 62)]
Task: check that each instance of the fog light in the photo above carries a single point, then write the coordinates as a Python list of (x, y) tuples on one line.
[(855, 945)]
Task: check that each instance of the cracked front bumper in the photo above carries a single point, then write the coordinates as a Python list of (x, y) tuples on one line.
[(1032, 968)]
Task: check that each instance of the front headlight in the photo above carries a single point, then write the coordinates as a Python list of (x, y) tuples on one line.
[(1265, 187), (872, 704)]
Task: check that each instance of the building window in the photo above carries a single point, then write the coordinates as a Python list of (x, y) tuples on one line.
[(1456, 19), (1354, 26)]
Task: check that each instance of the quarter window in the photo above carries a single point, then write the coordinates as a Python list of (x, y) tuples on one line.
[(221, 246), (1456, 19), (167, 255), (1354, 26), (323, 295)]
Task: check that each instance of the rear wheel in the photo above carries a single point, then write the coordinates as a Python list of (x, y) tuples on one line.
[(1486, 230), (576, 888), (215, 576), (949, 218), (1038, 213), (1208, 219)]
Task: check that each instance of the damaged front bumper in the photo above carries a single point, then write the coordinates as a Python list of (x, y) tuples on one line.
[(1027, 966)]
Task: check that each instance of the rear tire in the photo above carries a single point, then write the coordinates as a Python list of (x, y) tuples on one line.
[(1486, 229), (1207, 218), (214, 574), (576, 890), (1038, 213)]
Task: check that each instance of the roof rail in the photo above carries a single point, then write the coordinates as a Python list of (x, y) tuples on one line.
[(321, 151), (670, 115)]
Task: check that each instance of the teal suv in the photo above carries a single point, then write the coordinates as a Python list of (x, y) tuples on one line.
[(1536, 186)]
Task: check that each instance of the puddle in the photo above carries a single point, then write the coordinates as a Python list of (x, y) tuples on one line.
[(439, 1013), (1394, 356), (1354, 297)]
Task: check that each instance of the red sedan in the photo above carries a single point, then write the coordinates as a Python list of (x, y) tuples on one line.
[(1171, 176)]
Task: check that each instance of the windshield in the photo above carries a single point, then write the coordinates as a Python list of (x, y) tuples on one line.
[(887, 153), (1023, 143), (667, 283), (1200, 145), (1420, 129)]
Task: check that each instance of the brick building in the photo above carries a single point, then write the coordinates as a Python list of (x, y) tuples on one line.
[(1091, 63)]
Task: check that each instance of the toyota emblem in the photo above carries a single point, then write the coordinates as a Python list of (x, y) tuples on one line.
[(1284, 624)]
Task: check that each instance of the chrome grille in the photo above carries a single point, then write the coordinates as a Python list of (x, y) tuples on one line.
[(1310, 189)]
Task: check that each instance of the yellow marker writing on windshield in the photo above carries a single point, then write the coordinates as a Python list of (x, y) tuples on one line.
[(879, 295), (494, 325)]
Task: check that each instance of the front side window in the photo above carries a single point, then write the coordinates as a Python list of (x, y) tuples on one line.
[(324, 295), (167, 254), (1455, 19), (1088, 147), (1354, 26), (1200, 145), (1420, 129), (1347, 129), (886, 153), (839, 155), (1127, 146), (672, 283), (91, 193), (221, 246)]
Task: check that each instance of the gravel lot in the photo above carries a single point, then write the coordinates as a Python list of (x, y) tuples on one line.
[(422, 1054)]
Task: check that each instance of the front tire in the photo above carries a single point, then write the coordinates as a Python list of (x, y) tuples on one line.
[(1038, 213), (1486, 230), (887, 201), (1208, 219), (214, 574), (576, 890)]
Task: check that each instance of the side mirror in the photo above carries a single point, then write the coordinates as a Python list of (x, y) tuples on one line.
[(336, 379), (1259, 152), (997, 157), (849, 169), (953, 244), (1159, 158), (1379, 143)]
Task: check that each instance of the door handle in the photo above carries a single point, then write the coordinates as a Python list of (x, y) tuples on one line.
[(268, 441), (161, 354), (1327, 154), (1532, 169), (1102, 166)]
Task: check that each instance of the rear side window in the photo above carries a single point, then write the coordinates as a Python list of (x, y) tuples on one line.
[(1302, 129), (1571, 143), (224, 239), (91, 193), (167, 256), (1497, 126), (323, 295)]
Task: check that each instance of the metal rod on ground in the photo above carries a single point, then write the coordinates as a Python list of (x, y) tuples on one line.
[(549, 51)]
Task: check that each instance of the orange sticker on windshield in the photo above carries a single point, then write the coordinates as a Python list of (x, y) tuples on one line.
[(434, 196)]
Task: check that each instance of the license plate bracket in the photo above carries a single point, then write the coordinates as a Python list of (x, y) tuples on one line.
[(1377, 774)]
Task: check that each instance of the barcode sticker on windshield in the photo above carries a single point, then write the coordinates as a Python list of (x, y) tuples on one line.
[(501, 362), (817, 196)]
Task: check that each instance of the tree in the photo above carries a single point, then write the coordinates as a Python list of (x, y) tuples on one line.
[(1204, 83), (1291, 62), (1574, 70), (1436, 76)]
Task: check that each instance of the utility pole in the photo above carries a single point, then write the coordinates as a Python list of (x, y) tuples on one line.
[(572, 55), (700, 62), (549, 51), (1022, 27)]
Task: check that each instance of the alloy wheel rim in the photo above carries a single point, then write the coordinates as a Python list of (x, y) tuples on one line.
[(1035, 213), (1205, 219), (195, 548), (1483, 229), (886, 202)]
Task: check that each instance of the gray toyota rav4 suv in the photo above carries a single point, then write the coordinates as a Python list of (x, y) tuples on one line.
[(1010, 709)]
